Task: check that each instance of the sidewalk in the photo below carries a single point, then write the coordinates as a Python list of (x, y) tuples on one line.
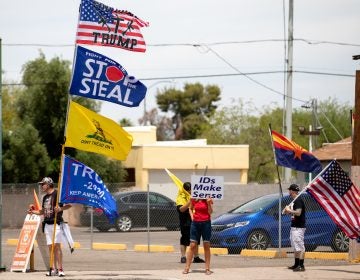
[(248, 273)]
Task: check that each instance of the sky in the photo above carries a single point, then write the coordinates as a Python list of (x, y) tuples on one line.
[(190, 40)]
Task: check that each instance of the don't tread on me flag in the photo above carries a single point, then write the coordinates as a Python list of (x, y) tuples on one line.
[(91, 132)]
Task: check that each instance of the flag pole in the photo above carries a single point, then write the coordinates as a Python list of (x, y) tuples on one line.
[(308, 185), (277, 166), (55, 218), (59, 180), (280, 188), (2, 268)]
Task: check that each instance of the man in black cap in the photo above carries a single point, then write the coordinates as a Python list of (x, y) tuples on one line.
[(297, 211)]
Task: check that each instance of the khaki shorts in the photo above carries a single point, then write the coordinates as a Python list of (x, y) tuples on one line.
[(297, 239)]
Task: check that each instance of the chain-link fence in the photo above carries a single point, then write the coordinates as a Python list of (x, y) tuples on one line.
[(254, 225)]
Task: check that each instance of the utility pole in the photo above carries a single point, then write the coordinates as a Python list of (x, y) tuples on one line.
[(2, 268), (354, 250), (288, 109)]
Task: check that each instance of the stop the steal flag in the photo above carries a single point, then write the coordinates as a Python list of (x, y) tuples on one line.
[(81, 184), (99, 77), (91, 132)]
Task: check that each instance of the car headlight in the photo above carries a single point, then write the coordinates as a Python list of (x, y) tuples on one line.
[(238, 224)]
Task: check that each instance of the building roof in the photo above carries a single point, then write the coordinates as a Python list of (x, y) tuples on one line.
[(341, 150)]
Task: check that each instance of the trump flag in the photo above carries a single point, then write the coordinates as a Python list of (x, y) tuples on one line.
[(101, 25), (80, 184), (99, 77), (340, 198), (291, 155), (91, 132)]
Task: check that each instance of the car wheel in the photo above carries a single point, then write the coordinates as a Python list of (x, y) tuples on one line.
[(123, 223), (340, 242), (103, 228), (258, 240), (310, 247), (234, 251)]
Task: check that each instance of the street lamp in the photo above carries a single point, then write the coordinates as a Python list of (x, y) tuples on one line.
[(148, 88), (310, 133)]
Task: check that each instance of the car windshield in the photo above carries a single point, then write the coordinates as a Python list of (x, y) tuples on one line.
[(254, 205)]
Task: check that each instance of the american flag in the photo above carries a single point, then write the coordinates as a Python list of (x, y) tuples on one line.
[(105, 26), (340, 198)]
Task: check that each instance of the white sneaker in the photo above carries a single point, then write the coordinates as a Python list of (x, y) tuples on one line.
[(61, 273), (52, 272)]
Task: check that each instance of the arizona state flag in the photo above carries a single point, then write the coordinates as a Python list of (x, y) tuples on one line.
[(292, 155), (91, 132)]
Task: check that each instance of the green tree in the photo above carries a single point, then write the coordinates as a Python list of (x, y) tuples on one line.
[(9, 113), (244, 124), (45, 99), (335, 120), (191, 108), (110, 171), (41, 108), (25, 159), (125, 122)]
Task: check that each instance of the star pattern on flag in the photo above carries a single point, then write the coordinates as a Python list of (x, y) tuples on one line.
[(338, 179), (96, 12), (298, 153)]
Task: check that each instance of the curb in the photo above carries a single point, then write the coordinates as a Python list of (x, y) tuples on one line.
[(14, 242), (327, 256), (154, 248), (108, 246), (214, 251), (263, 253)]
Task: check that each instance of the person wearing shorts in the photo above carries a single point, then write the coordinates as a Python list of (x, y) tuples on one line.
[(182, 206), (200, 212), (49, 210), (297, 231)]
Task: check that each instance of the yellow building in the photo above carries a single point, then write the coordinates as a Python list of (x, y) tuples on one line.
[(148, 159)]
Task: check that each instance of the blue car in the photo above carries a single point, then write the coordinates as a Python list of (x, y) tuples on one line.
[(254, 225)]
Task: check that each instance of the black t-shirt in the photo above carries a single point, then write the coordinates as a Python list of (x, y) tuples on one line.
[(298, 221), (48, 205)]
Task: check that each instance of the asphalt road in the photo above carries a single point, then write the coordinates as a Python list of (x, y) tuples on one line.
[(110, 260)]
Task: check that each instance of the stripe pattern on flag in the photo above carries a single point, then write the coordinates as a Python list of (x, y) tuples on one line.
[(105, 26), (340, 198)]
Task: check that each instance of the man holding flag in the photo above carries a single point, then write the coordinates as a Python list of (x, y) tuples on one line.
[(297, 232), (52, 212), (289, 154)]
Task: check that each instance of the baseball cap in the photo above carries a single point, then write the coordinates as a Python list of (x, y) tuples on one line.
[(46, 180), (294, 187)]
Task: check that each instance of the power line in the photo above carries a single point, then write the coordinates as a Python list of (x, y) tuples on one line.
[(307, 41), (216, 75)]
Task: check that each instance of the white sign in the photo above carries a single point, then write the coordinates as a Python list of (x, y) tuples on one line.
[(203, 187), (25, 243)]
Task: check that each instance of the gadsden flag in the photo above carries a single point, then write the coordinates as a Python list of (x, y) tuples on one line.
[(91, 132)]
